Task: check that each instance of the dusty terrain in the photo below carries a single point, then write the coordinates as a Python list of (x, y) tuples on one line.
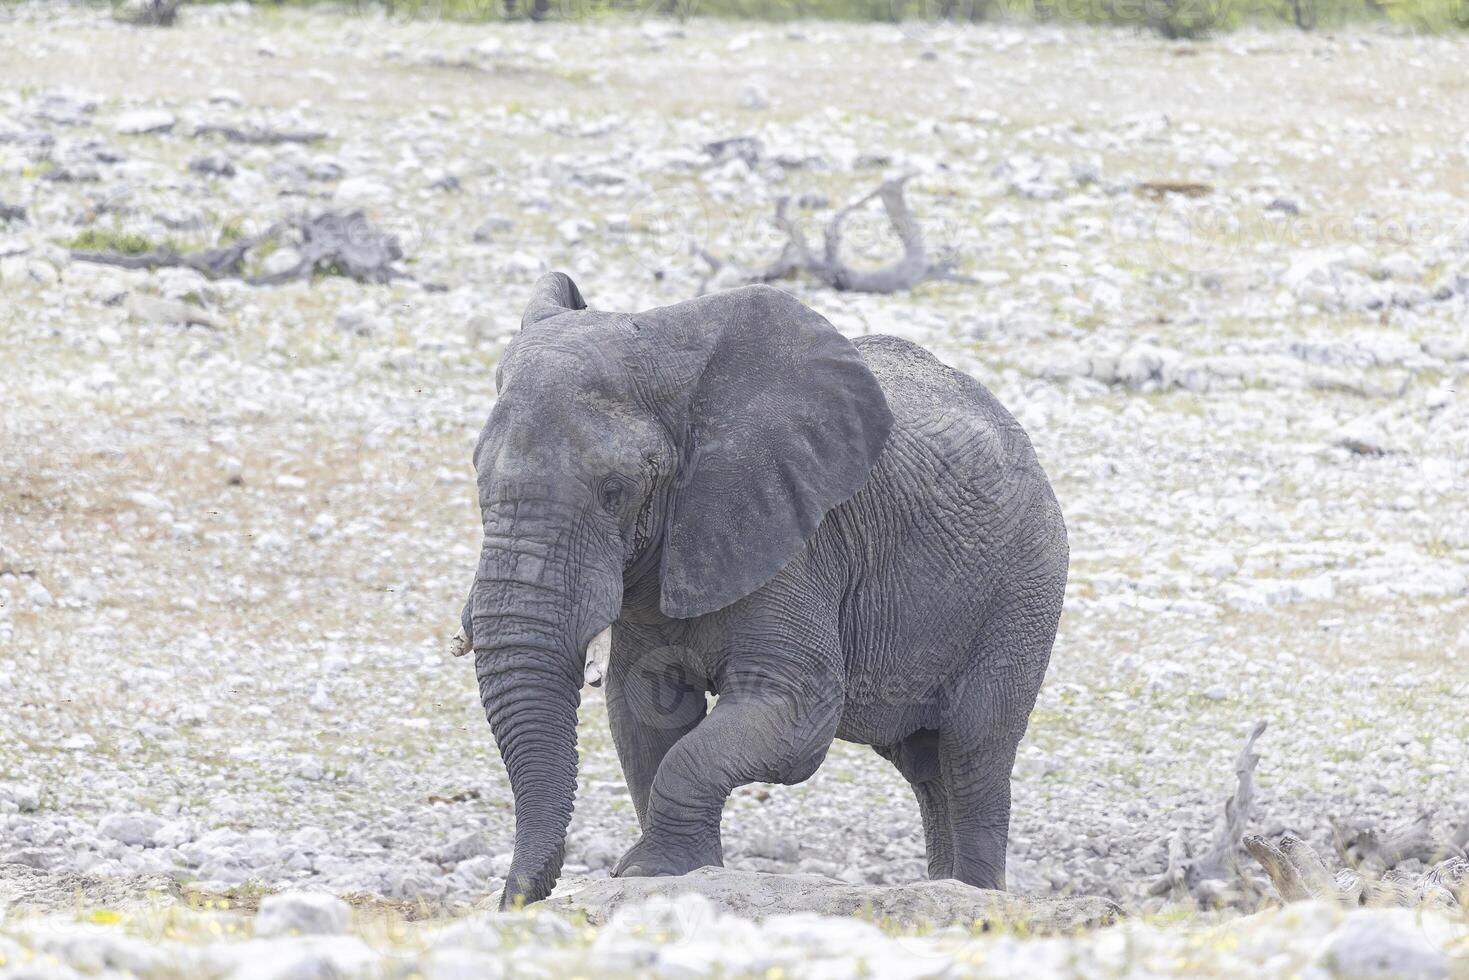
[(237, 522)]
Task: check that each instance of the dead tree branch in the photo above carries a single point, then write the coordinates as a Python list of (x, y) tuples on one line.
[(798, 256), (1460, 840), (1378, 869), (214, 263), (149, 13), (342, 244), (1215, 877), (1222, 860), (333, 243), (259, 135)]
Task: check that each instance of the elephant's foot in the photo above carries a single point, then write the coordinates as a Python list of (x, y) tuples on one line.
[(650, 860)]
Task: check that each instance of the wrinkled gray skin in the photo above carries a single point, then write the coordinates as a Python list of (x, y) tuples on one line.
[(839, 539)]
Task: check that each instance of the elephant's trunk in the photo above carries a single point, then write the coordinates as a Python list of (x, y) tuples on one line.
[(530, 699), (534, 607)]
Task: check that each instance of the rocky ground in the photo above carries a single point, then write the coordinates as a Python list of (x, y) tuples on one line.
[(237, 521)]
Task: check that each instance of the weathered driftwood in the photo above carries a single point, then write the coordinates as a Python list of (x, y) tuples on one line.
[(798, 256), (214, 263), (1215, 877), (1450, 877), (1298, 874), (342, 244), (1365, 848), (332, 243), (259, 135), (1381, 869), (748, 149)]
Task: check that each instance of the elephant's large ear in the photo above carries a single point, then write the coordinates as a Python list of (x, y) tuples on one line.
[(785, 422), (553, 293)]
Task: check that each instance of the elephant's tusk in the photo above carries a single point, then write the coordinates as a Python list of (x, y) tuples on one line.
[(460, 645), (597, 653), (593, 674)]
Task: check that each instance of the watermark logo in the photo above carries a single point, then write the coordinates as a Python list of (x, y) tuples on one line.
[(406, 21), (669, 228), (1446, 928), (661, 688)]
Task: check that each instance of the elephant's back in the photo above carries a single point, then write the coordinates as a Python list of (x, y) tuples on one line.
[(958, 491), (946, 412)]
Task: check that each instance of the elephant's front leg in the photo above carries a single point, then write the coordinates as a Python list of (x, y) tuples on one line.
[(771, 727), (740, 742), (653, 701)]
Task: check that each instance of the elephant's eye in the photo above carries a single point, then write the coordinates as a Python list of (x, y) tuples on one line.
[(611, 493)]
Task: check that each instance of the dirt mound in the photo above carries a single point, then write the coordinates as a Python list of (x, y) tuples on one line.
[(757, 895), (25, 888)]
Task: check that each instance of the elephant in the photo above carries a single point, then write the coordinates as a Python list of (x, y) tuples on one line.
[(836, 538)]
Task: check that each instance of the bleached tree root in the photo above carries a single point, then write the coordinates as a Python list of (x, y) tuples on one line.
[(1298, 874), (827, 266), (1364, 847)]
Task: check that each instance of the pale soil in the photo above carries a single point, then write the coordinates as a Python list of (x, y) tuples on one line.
[(268, 657)]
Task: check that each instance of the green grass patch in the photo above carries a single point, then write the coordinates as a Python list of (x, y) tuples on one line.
[(104, 240), (1169, 18)]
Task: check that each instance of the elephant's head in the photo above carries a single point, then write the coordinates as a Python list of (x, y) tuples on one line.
[(673, 460)]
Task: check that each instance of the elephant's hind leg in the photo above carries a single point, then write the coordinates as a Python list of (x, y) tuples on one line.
[(980, 728), (977, 778), (917, 758)]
